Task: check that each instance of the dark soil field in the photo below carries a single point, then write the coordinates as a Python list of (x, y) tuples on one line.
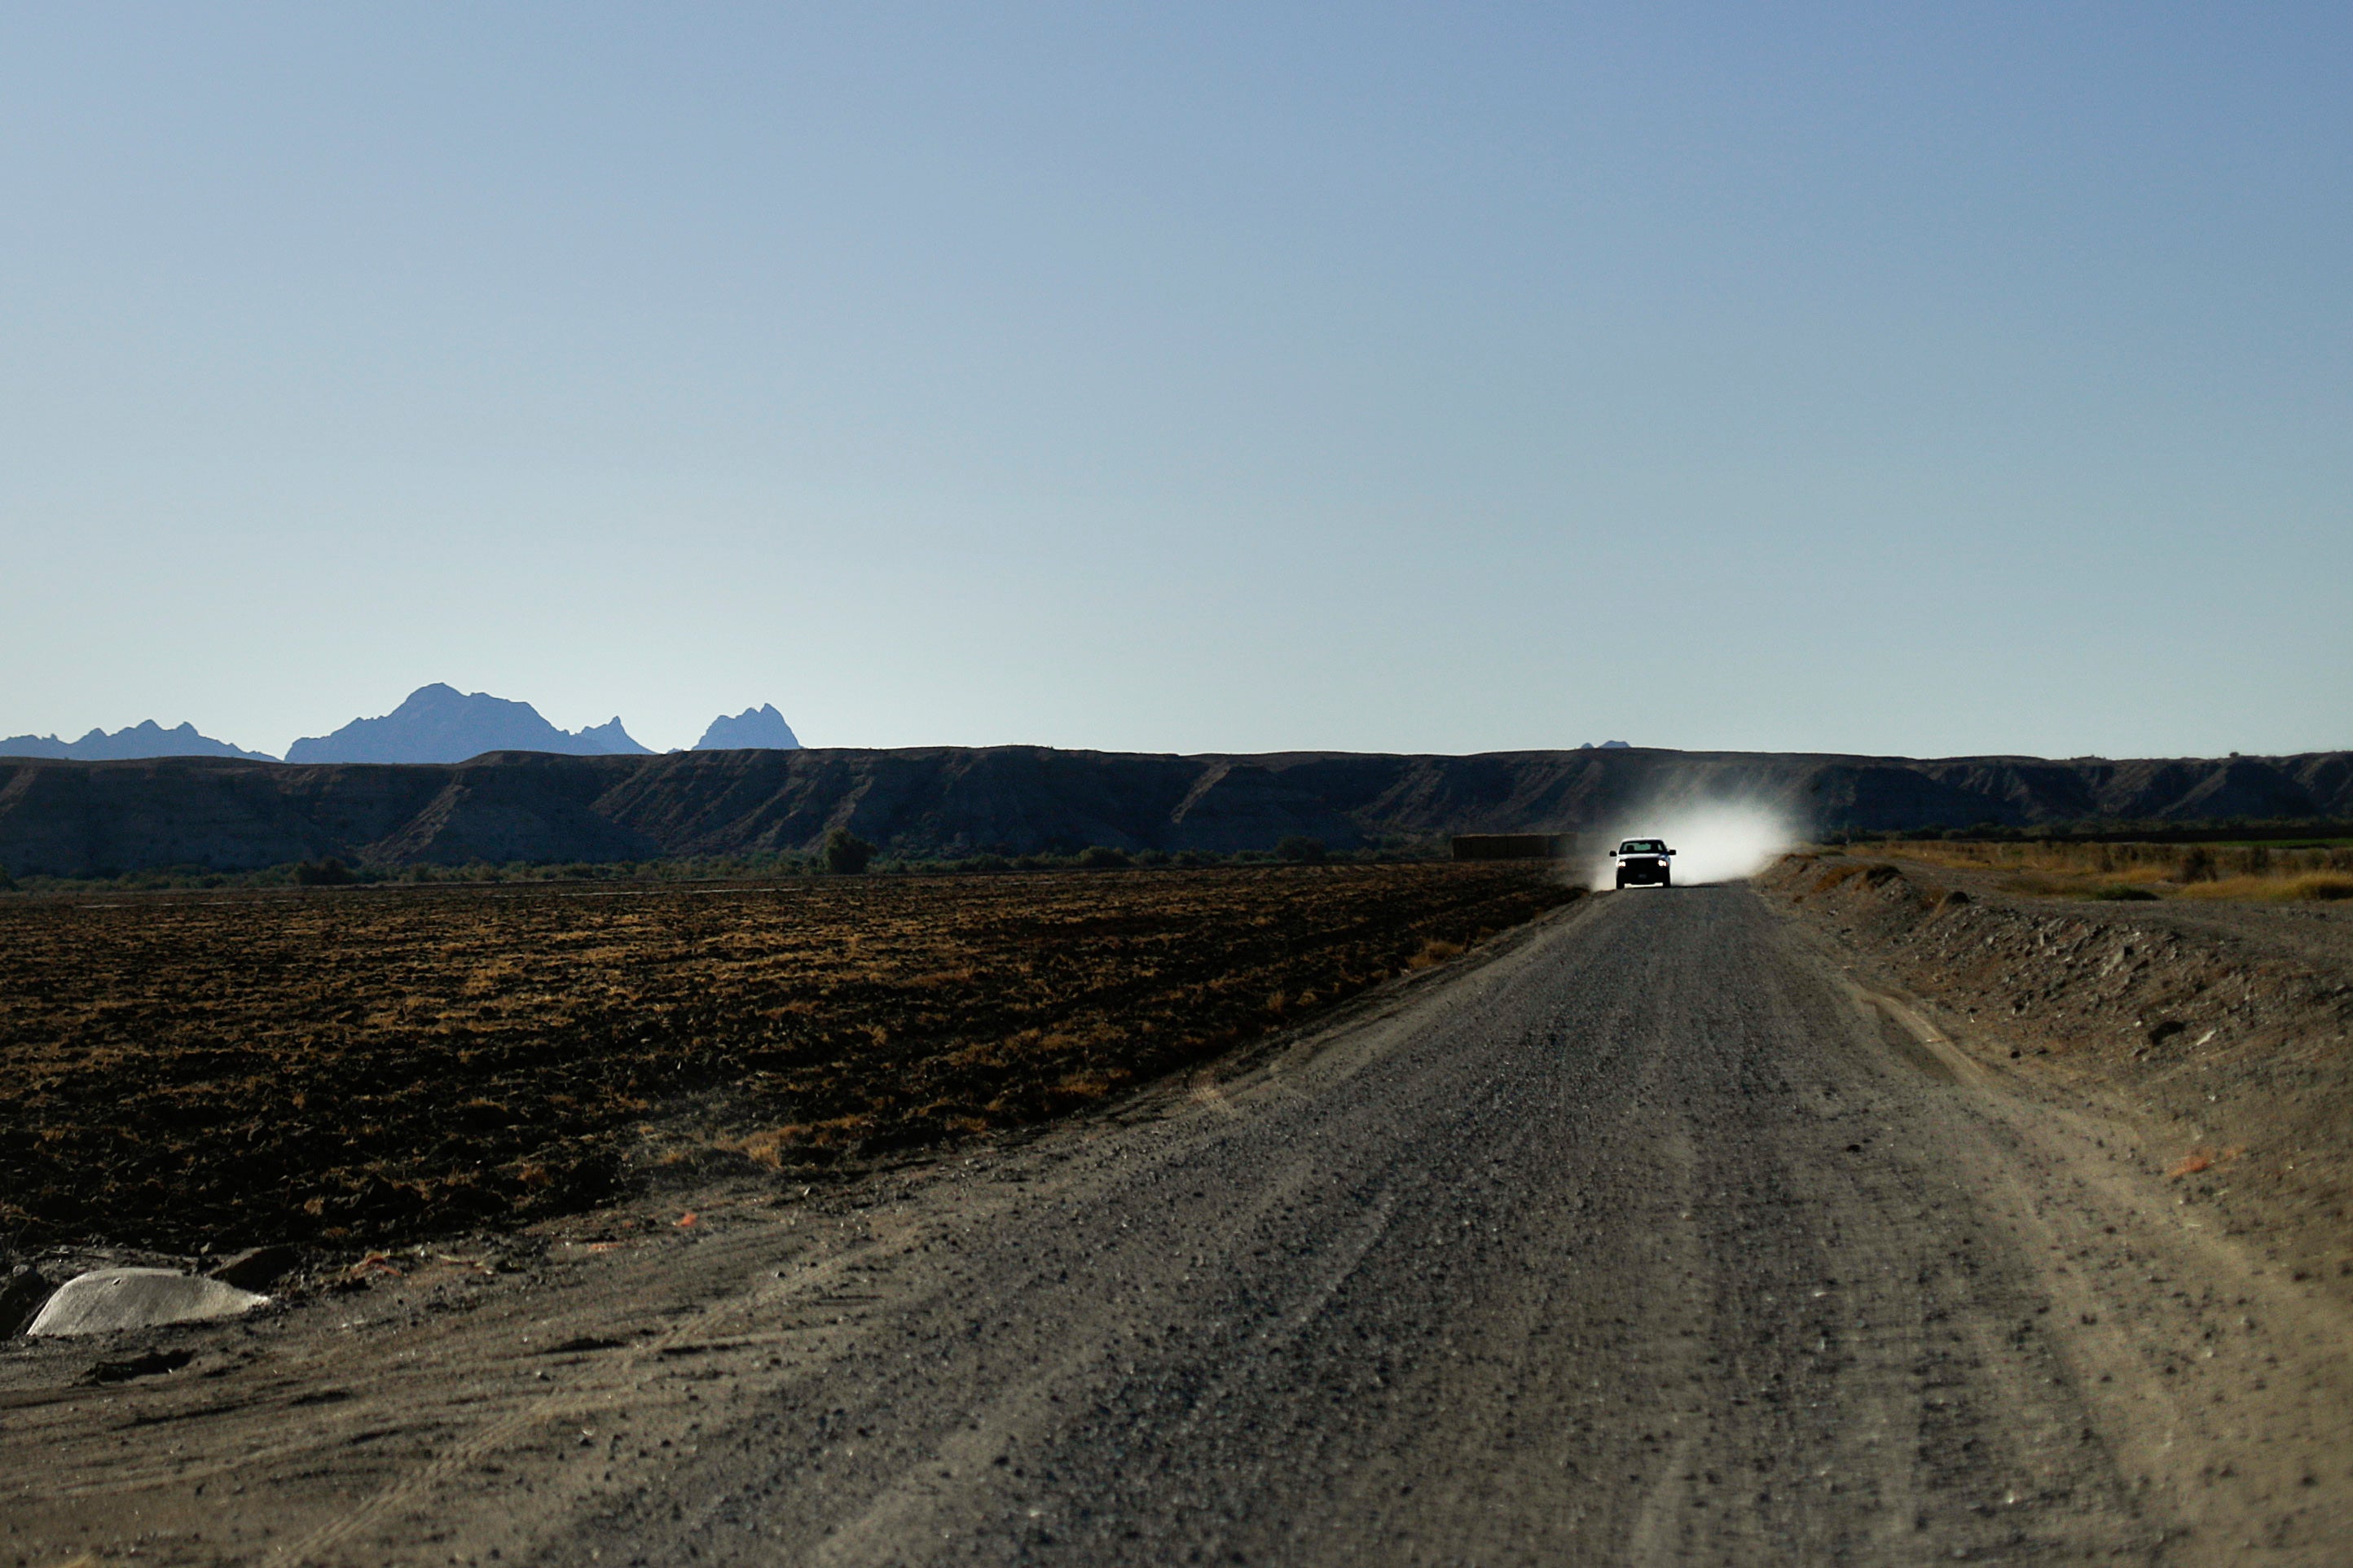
[(352, 1066)]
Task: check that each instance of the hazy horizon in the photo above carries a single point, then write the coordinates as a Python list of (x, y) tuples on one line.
[(1413, 379)]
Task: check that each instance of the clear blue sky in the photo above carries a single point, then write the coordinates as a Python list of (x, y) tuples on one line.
[(1918, 379)]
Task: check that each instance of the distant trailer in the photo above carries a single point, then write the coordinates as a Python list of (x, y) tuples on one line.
[(1514, 846)]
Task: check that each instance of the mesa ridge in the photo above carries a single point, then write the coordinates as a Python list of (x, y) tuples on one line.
[(74, 818)]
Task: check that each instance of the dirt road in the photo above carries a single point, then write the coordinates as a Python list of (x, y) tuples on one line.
[(1655, 1238)]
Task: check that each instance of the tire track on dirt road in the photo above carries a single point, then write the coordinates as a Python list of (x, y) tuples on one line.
[(1683, 1256)]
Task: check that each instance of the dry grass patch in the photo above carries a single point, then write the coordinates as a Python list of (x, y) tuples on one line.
[(2128, 871), (1433, 953), (2288, 889)]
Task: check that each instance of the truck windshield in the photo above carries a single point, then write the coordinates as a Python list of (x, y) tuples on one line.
[(1640, 847)]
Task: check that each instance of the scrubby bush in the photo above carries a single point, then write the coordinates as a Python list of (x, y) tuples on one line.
[(1300, 849), (328, 873), (1103, 858), (845, 854)]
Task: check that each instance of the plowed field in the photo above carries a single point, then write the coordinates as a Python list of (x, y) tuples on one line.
[(355, 1066)]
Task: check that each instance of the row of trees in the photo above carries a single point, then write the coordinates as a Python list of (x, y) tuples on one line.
[(2218, 830), (845, 854), (841, 854)]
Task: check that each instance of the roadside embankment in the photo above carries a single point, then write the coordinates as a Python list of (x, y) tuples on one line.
[(2226, 1031)]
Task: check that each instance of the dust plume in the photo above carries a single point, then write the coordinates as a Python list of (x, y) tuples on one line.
[(1713, 841)]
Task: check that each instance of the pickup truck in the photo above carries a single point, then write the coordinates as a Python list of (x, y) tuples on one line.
[(1643, 860)]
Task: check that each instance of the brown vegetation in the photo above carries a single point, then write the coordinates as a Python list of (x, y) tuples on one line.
[(2127, 872), (355, 1065)]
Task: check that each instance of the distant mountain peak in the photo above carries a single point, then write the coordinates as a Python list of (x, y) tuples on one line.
[(761, 728), (610, 737), (144, 739), (438, 723)]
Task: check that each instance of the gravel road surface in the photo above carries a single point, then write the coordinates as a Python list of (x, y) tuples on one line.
[(1655, 1238)]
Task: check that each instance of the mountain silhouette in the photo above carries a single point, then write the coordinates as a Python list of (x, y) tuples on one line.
[(761, 728), (145, 739), (438, 723)]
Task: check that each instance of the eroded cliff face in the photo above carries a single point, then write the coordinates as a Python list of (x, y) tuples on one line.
[(69, 818)]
